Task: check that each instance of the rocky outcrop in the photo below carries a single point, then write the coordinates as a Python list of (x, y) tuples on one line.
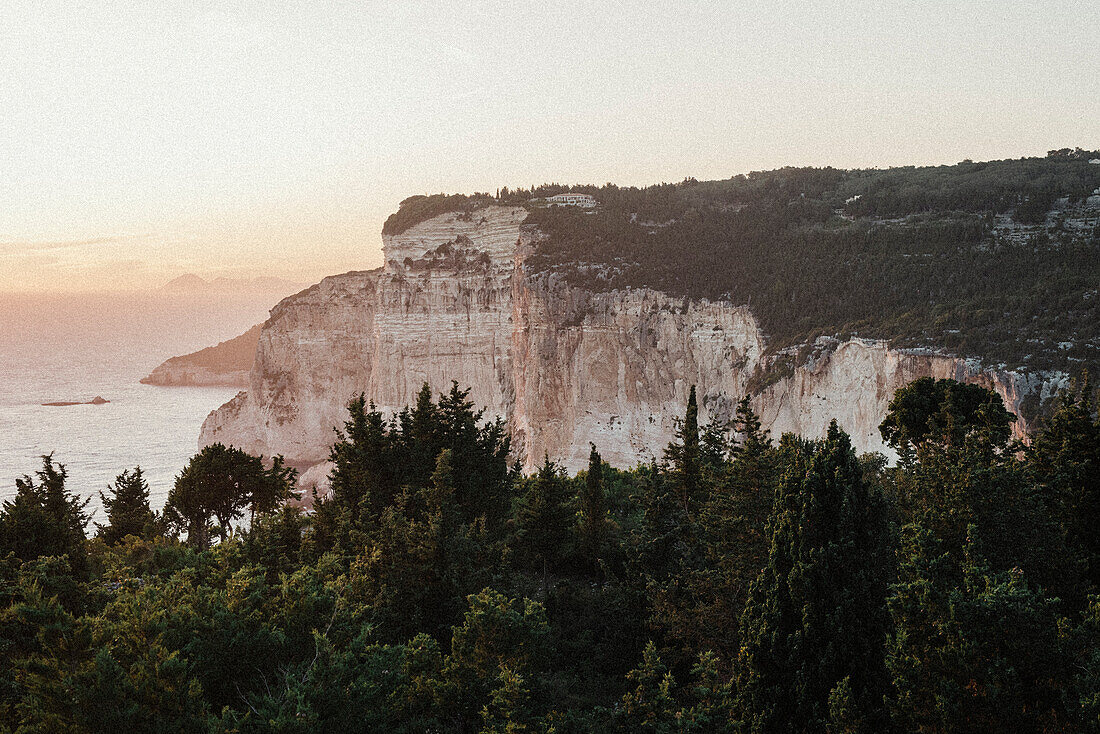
[(564, 364), (97, 400), (227, 364)]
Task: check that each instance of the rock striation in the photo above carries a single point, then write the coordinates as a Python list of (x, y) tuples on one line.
[(565, 365)]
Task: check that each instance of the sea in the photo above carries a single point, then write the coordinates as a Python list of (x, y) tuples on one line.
[(75, 347)]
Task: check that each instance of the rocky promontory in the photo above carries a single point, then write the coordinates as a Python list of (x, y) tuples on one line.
[(225, 365)]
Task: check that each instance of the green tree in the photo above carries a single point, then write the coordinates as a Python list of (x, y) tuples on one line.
[(943, 412), (650, 704), (544, 520), (594, 526), (220, 483), (715, 447), (948, 487), (735, 534), (683, 457), (277, 485), (423, 434), (422, 559), (654, 702), (45, 518), (1063, 459), (1085, 693), (275, 539), (817, 614), (127, 507), (498, 650), (479, 453), (973, 649), (376, 460), (365, 464)]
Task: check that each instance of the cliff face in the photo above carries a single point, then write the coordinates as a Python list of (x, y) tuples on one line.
[(564, 365)]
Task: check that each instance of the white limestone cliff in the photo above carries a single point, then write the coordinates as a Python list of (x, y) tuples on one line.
[(564, 365)]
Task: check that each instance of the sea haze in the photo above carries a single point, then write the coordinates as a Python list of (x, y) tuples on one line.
[(75, 347)]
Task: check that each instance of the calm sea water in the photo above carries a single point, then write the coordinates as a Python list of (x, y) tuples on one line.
[(65, 348)]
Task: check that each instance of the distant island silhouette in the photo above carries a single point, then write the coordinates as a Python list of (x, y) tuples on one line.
[(194, 284)]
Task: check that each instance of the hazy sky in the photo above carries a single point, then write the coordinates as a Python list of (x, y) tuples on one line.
[(141, 140)]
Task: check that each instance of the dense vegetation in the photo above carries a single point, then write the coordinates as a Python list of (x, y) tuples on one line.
[(739, 584), (998, 260)]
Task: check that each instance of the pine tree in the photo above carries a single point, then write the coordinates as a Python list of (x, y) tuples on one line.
[(753, 440), (662, 538), (423, 434), (45, 518), (817, 613), (363, 481), (734, 531), (483, 482), (715, 448), (127, 507)]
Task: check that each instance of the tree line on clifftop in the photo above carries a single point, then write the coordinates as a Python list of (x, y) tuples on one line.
[(998, 260), (737, 584)]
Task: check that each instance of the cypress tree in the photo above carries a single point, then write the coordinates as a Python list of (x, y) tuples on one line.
[(545, 519), (683, 456), (815, 625), (593, 525), (127, 507), (1064, 461)]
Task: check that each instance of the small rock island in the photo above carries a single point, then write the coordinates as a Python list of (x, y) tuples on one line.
[(97, 400)]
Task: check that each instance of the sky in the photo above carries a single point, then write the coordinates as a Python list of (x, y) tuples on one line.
[(143, 140)]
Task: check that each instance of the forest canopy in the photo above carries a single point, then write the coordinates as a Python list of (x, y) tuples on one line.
[(743, 583)]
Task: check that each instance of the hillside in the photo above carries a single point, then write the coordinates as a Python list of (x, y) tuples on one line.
[(997, 260)]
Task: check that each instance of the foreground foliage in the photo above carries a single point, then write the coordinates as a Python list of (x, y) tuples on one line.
[(738, 584)]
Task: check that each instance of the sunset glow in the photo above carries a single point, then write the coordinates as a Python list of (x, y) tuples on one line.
[(274, 139)]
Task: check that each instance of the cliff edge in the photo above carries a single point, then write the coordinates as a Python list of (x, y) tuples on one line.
[(564, 364)]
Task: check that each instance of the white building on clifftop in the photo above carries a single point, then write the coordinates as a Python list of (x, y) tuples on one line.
[(582, 200)]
